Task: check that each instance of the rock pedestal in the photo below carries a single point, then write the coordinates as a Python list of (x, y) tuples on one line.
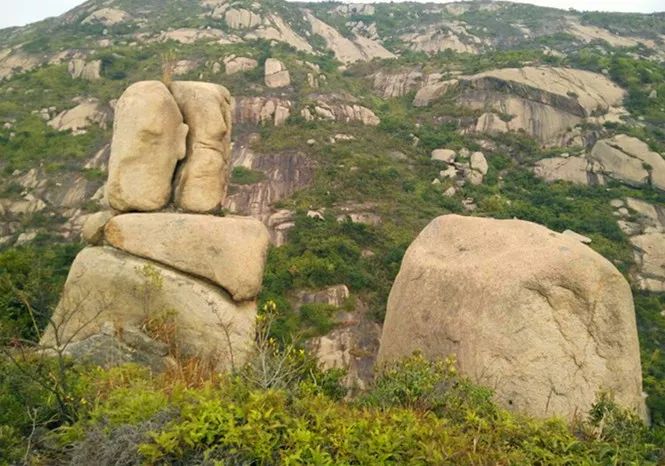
[(165, 284), (536, 315)]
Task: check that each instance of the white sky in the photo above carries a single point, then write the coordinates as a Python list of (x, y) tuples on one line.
[(20, 12)]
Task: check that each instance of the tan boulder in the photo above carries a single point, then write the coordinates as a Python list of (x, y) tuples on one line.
[(536, 315), (229, 251), (617, 164), (106, 285), (202, 178), (444, 155), (235, 64), (649, 252), (276, 74), (87, 113), (148, 140), (479, 163), (630, 160), (572, 169), (240, 18)]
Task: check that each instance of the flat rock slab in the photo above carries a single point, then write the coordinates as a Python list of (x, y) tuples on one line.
[(229, 251)]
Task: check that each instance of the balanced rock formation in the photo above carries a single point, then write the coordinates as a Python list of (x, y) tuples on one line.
[(202, 177), (157, 285), (148, 141), (536, 315)]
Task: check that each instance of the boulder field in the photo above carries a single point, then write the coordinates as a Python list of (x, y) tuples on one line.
[(180, 282), (536, 315)]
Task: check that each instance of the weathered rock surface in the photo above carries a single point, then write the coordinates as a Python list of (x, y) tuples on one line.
[(87, 113), (573, 169), (352, 345), (444, 36), (333, 296), (276, 74), (240, 18), (644, 223), (93, 228), (106, 285), (235, 64), (229, 251), (107, 17), (333, 109), (622, 158), (202, 177), (543, 319), (347, 50), (258, 110), (284, 174), (444, 155), (629, 160), (544, 101), (275, 28), (148, 140), (191, 35), (398, 84), (13, 61), (80, 69)]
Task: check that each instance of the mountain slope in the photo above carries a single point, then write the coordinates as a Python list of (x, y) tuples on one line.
[(566, 108)]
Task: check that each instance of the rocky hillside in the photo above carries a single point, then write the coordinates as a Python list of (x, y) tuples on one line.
[(354, 127)]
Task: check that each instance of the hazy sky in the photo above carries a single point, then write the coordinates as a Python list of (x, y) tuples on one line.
[(20, 12)]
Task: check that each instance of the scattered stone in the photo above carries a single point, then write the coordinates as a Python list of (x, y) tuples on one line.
[(444, 155), (235, 64), (85, 114), (93, 228), (89, 71), (276, 74), (479, 163)]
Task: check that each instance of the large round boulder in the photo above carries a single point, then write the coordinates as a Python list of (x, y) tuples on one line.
[(109, 287), (148, 141), (536, 315)]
